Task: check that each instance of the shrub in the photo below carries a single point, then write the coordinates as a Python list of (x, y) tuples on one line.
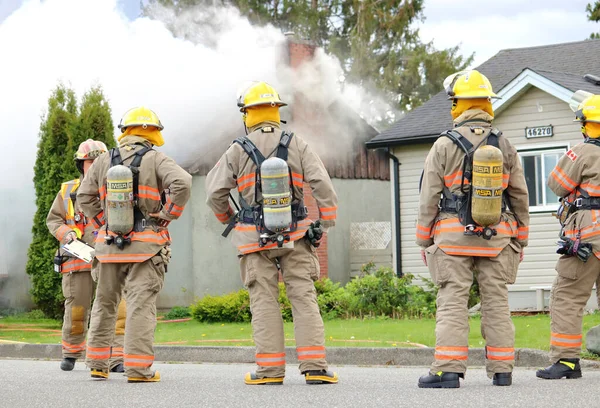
[(35, 314), (232, 307), (284, 304), (178, 312), (376, 293), (381, 293), (474, 297)]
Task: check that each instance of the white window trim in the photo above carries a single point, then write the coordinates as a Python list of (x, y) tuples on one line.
[(538, 148)]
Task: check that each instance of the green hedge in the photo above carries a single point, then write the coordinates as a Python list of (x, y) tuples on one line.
[(376, 293)]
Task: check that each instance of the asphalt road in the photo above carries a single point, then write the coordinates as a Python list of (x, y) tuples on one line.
[(26, 383)]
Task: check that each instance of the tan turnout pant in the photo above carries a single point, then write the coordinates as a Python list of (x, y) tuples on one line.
[(571, 290), (140, 283), (78, 290), (454, 276), (300, 268)]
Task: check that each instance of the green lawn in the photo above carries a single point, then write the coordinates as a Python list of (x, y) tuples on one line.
[(531, 332)]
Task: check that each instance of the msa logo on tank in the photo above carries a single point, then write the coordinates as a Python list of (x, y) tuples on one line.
[(120, 190)]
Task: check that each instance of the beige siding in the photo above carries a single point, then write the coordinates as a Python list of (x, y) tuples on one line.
[(524, 113), (540, 256), (411, 160)]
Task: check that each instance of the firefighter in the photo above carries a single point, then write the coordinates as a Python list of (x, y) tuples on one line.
[(292, 251), (67, 222), (455, 247), (576, 178), (132, 259)]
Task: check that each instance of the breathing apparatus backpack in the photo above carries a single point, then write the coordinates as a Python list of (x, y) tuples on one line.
[(122, 192), (278, 213), (482, 200)]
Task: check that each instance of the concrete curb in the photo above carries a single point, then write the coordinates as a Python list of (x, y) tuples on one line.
[(335, 355)]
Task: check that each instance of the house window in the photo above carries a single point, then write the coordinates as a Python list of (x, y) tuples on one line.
[(537, 165)]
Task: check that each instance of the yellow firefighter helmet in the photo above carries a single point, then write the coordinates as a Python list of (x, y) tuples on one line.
[(256, 94), (90, 149), (140, 116), (586, 107), (469, 84)]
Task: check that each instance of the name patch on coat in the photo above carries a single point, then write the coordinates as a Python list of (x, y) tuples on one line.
[(571, 155)]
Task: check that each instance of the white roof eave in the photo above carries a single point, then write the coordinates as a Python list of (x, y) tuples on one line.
[(522, 83)]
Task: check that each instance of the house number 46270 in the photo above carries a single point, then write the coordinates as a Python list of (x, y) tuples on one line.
[(538, 131)]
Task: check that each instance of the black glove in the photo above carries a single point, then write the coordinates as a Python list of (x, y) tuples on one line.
[(314, 233)]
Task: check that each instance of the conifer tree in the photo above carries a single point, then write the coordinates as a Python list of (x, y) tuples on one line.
[(49, 173), (63, 128)]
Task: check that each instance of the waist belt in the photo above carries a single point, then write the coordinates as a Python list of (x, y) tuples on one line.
[(251, 215), (450, 205), (139, 225), (590, 203)]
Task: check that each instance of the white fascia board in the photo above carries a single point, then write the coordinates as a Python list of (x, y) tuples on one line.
[(524, 81)]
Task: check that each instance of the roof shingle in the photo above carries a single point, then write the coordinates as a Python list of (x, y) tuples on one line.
[(561, 63)]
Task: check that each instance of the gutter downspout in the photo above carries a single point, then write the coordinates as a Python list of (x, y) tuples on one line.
[(396, 172)]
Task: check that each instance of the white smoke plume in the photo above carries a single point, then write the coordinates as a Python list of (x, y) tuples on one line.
[(186, 68)]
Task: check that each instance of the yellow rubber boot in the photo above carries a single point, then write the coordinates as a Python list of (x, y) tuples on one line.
[(154, 378), (252, 379), (99, 374), (320, 377)]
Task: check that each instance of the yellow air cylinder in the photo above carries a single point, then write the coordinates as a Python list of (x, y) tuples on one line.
[(277, 198), (486, 199)]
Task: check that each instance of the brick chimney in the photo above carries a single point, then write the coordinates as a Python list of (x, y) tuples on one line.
[(299, 52)]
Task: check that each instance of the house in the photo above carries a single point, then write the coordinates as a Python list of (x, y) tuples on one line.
[(535, 85), (205, 263)]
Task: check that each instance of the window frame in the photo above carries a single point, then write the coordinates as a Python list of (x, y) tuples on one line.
[(529, 150)]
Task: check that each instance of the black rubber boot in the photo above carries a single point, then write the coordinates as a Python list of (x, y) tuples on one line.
[(67, 363), (441, 380), (320, 377), (118, 368), (502, 379), (565, 367)]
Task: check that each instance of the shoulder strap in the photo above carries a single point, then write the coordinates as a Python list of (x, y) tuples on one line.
[(74, 193), (137, 160), (594, 142), (493, 138), (250, 148), (284, 143), (134, 166), (69, 192), (459, 140), (115, 157)]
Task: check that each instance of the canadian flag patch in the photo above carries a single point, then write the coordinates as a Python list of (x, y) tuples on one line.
[(571, 155)]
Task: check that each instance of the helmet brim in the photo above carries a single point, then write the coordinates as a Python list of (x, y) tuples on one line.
[(493, 96), (123, 127), (273, 104)]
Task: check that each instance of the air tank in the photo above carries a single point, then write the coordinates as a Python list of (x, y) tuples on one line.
[(119, 199), (277, 197), (486, 199)]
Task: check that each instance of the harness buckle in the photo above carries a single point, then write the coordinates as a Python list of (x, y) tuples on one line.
[(578, 202)]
